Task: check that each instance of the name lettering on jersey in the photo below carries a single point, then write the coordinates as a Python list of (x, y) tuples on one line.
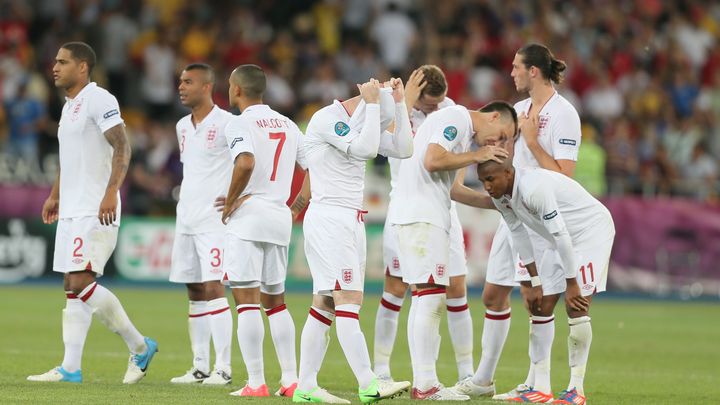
[(341, 128), (570, 142), (271, 123), (550, 216), (450, 133), (111, 113), (234, 141)]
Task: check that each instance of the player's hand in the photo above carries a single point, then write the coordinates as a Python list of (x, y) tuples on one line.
[(491, 152), (529, 127), (229, 209), (573, 298), (50, 210), (415, 84), (398, 89), (533, 299), (219, 203), (370, 91), (108, 208)]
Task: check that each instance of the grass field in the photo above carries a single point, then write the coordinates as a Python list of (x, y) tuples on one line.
[(644, 352)]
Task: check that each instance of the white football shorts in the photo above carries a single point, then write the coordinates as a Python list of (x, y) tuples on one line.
[(197, 258), (83, 243)]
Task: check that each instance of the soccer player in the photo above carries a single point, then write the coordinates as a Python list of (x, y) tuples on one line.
[(339, 140), (422, 218), (85, 200), (199, 232), (424, 93), (563, 213), (264, 150), (550, 129)]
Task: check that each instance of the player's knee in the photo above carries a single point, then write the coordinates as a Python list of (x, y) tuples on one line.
[(196, 292), (457, 287), (395, 286), (324, 302), (272, 295), (496, 299), (214, 289), (77, 282)]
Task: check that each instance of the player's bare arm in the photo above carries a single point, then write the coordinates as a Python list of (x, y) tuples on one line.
[(117, 138), (529, 128), (534, 295), (466, 195), (302, 198), (51, 207), (415, 84), (438, 158), (244, 165)]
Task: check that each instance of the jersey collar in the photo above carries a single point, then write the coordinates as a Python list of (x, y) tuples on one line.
[(256, 107), (88, 87), (342, 108)]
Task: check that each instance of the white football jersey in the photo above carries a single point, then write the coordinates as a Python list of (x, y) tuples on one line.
[(85, 154), (337, 178), (558, 133), (273, 140), (206, 171), (549, 202), (421, 196), (417, 117)]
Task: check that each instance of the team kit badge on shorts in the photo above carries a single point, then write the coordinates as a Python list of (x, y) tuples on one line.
[(347, 276), (450, 133), (341, 128)]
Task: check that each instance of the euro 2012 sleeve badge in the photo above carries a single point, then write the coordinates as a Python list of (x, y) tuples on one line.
[(450, 133), (341, 128)]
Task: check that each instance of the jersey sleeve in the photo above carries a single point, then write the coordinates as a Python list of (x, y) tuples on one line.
[(542, 200), (446, 134), (566, 135), (519, 234), (239, 139), (333, 130), (104, 110), (300, 152), (180, 141)]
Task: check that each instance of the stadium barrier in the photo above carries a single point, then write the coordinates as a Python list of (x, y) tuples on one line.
[(662, 247)]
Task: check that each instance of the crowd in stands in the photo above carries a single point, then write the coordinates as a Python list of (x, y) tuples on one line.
[(644, 74)]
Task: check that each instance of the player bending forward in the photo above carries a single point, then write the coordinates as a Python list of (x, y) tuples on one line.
[(563, 213)]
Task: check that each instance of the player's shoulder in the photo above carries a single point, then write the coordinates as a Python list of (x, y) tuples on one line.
[(323, 117), (564, 106), (522, 105), (100, 93), (184, 122), (447, 102)]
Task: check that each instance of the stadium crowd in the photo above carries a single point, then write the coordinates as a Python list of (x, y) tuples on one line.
[(643, 74)]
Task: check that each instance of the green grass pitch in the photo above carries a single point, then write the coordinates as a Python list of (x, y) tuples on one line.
[(643, 352)]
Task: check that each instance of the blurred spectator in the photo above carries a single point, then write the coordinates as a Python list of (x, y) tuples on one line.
[(700, 174), (324, 86), (119, 31), (25, 119), (622, 161), (590, 168), (394, 33), (158, 79)]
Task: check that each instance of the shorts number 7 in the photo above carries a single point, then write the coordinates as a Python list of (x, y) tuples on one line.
[(280, 136)]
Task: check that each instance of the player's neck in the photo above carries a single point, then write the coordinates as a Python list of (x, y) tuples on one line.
[(73, 91), (540, 94), (201, 111), (244, 103), (351, 104)]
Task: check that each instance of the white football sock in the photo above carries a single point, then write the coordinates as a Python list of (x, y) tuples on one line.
[(352, 341), (221, 330), (411, 331), (199, 329), (494, 335), (314, 341), (109, 310), (461, 335), (530, 379), (250, 333), (386, 324), (77, 317), (542, 332), (426, 330), (282, 330), (579, 341)]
